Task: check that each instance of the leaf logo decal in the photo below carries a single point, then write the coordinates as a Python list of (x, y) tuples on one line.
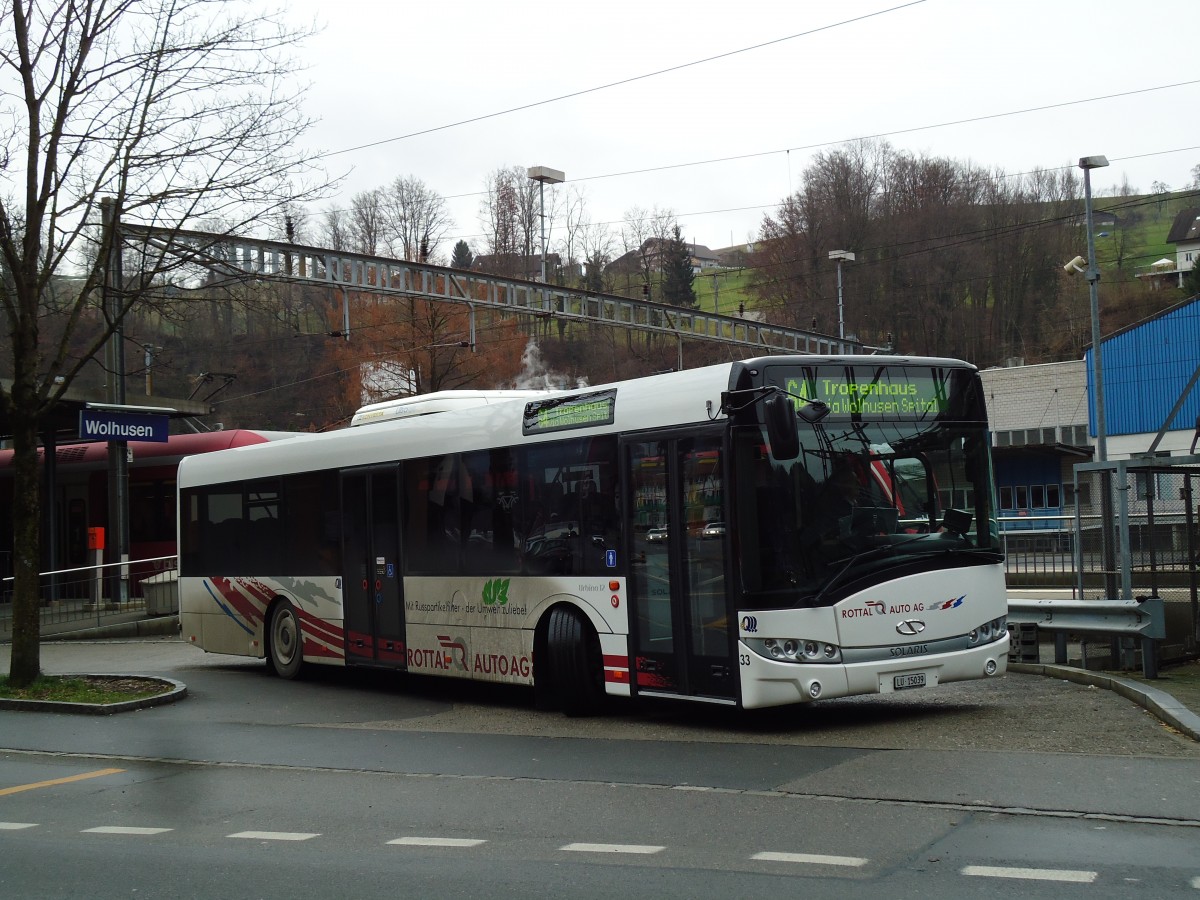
[(495, 592)]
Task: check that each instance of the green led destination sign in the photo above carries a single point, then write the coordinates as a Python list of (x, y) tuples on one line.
[(887, 392), (576, 411)]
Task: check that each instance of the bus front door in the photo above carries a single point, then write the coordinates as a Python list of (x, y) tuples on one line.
[(682, 643), (374, 607)]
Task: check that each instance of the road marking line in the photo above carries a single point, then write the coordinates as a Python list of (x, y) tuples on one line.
[(816, 859), (16, 826), (646, 849), (1196, 882), (274, 835), (124, 829), (1072, 875), (52, 782), (437, 842)]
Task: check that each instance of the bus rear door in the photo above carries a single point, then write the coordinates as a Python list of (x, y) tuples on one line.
[(374, 605)]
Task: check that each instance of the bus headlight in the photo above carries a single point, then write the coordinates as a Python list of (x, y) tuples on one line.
[(991, 630), (796, 650)]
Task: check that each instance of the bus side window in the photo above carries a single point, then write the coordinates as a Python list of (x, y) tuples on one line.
[(432, 532), (488, 495)]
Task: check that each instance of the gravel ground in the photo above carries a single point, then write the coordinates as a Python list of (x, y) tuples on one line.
[(1020, 712)]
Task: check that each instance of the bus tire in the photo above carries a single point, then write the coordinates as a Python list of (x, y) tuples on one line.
[(285, 644), (576, 673)]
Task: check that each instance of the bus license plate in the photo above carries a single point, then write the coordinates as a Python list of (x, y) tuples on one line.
[(900, 682)]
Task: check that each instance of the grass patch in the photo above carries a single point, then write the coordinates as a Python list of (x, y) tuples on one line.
[(85, 689)]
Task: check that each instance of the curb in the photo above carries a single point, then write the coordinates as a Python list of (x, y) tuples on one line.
[(1160, 703), (178, 690)]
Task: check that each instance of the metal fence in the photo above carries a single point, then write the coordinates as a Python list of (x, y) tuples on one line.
[(1135, 534), (94, 596)]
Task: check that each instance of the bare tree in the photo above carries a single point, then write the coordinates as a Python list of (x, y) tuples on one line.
[(644, 232), (597, 245), (334, 230), (180, 112), (509, 214), (498, 216), (416, 219), (367, 222)]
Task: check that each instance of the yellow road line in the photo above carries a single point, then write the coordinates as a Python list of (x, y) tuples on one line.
[(41, 784)]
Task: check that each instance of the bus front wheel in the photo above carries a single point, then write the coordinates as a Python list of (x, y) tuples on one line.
[(284, 642), (576, 673)]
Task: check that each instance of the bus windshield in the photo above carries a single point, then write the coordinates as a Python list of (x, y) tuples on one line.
[(863, 502)]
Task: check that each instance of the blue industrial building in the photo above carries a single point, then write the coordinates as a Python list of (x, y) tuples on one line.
[(1044, 416)]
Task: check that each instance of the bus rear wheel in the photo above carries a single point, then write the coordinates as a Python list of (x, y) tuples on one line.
[(576, 673), (285, 651)]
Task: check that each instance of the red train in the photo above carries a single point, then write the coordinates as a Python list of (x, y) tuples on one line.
[(81, 496)]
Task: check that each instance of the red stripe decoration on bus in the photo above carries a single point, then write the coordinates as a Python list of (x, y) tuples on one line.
[(320, 637), (257, 590), (319, 628), (363, 647), (616, 669), (237, 601)]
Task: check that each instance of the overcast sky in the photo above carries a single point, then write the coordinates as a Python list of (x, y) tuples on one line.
[(821, 72)]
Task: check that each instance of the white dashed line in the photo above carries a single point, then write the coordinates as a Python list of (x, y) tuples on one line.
[(16, 826), (1072, 875), (815, 859), (437, 842), (645, 849), (274, 835), (124, 829)]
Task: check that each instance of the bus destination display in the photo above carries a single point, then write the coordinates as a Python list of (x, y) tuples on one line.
[(575, 411), (892, 393)]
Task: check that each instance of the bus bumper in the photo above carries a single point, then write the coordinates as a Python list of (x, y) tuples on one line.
[(767, 682)]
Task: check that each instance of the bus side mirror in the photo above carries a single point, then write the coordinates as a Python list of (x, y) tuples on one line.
[(779, 415), (814, 411), (956, 521)]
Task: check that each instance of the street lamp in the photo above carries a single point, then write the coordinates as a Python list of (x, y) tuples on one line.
[(840, 255), (544, 176), (1092, 274)]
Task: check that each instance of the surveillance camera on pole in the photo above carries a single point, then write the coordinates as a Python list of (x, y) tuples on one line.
[(1075, 265)]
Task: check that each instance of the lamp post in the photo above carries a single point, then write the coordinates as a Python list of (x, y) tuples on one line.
[(1088, 163), (544, 176), (1107, 548), (840, 255)]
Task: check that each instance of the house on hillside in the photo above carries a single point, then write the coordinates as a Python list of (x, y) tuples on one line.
[(652, 251), (1185, 235)]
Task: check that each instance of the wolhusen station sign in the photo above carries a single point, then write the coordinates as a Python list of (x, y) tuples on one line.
[(102, 425)]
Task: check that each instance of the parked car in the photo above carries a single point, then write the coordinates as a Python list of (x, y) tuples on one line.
[(713, 530)]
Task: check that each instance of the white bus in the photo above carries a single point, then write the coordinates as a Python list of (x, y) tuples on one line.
[(758, 533)]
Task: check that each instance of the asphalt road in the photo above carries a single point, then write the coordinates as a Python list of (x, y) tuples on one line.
[(376, 785)]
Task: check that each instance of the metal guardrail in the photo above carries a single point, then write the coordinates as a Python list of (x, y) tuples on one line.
[(91, 596), (1134, 617), (1145, 618)]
